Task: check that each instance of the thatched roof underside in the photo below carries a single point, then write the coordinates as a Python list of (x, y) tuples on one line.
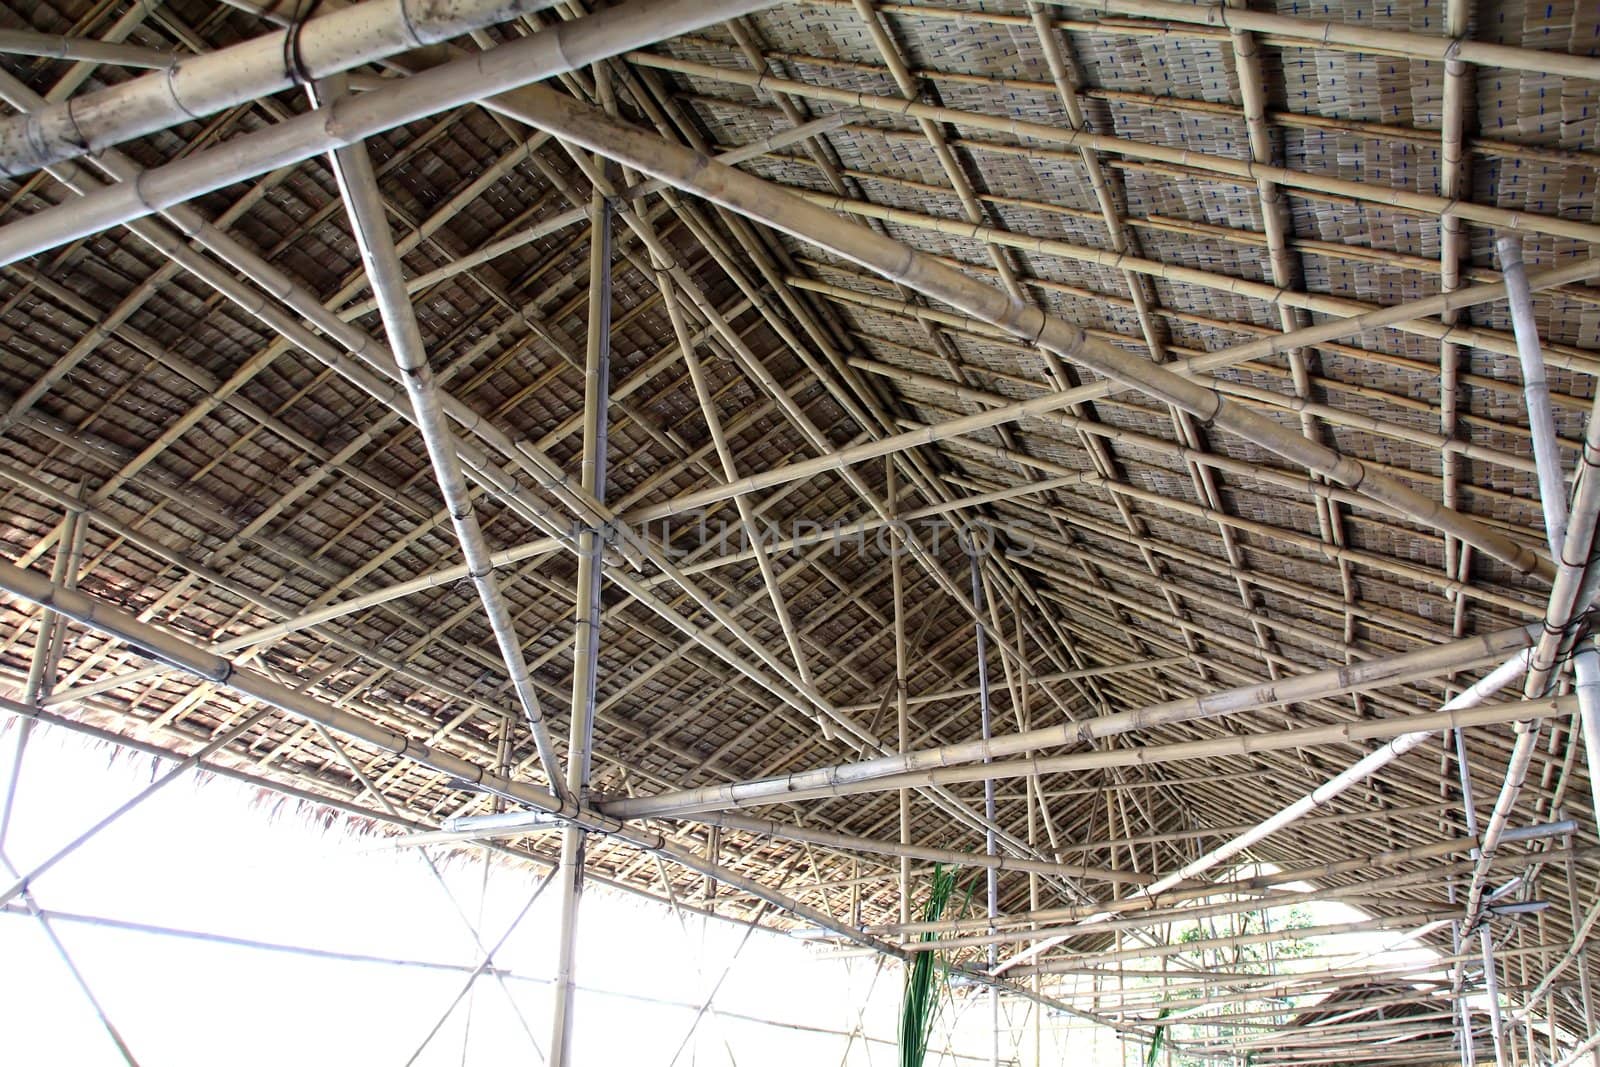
[(233, 482)]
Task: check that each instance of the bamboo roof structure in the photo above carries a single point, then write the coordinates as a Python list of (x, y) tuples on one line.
[(779, 445)]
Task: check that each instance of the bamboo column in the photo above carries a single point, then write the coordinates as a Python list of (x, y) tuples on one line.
[(46, 650), (586, 620), (991, 876), (901, 703)]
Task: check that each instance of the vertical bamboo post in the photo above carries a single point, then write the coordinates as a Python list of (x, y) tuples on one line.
[(1552, 1050), (1486, 943), (586, 620), (1529, 1035), (1585, 990), (902, 706), (1452, 249), (992, 876), (1030, 794), (1458, 942), (69, 543)]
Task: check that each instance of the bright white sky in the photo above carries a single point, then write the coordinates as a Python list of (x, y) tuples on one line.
[(208, 857)]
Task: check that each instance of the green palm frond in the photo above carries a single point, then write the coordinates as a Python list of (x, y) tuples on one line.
[(927, 975), (1157, 1042)]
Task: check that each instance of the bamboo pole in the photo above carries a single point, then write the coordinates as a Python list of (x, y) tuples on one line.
[(1278, 298), (537, 464), (1570, 536), (333, 799), (853, 842), (359, 186), (1308, 546), (1387, 922), (1257, 396), (825, 713), (940, 696), (1356, 895), (741, 231), (730, 472), (1585, 983), (40, 680), (1296, 120), (991, 875), (902, 702), (1586, 672), (1369, 764), (223, 738), (954, 428), (1453, 180), (1249, 889), (58, 46), (586, 622), (1153, 755), (546, 227), (845, 676)]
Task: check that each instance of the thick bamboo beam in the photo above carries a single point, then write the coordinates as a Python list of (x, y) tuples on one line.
[(553, 51), (318, 48), (1424, 663), (1240, 745)]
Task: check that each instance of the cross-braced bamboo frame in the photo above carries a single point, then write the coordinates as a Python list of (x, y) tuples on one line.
[(915, 403)]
